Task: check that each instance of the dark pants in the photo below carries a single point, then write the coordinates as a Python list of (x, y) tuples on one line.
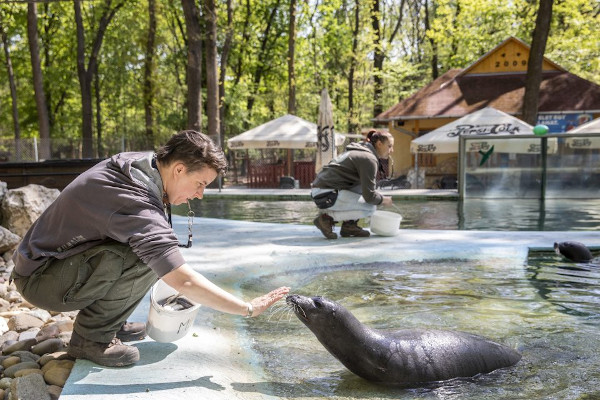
[(105, 283)]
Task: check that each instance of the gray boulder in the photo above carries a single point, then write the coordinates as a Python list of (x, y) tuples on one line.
[(22, 206)]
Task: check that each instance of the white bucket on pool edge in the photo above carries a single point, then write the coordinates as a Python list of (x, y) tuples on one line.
[(385, 223), (168, 325)]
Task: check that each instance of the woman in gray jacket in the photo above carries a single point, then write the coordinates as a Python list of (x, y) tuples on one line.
[(344, 190)]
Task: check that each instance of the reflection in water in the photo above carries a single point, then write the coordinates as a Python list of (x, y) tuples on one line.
[(470, 214), (489, 298), (573, 288)]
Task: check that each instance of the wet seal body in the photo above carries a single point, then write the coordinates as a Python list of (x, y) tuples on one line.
[(574, 251), (404, 357)]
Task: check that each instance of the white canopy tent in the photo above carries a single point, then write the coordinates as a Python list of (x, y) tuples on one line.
[(286, 132), (487, 121), (592, 142)]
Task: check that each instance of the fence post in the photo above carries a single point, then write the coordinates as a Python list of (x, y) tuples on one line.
[(35, 150)]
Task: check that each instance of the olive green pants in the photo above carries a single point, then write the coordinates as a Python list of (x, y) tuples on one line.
[(105, 283)]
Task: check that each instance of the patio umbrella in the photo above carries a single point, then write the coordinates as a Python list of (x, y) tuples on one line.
[(591, 142), (285, 132), (326, 150), (487, 121)]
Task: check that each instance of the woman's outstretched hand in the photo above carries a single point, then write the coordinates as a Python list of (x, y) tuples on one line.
[(260, 304)]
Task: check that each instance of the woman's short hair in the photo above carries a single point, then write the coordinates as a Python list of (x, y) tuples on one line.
[(195, 150), (374, 136)]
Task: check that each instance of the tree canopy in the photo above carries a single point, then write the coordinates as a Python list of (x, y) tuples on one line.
[(365, 52)]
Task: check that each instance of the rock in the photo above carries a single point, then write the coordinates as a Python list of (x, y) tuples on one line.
[(65, 336), (22, 322), (14, 297), (30, 387), (3, 291), (57, 376), (8, 239), (10, 361), (40, 314), (3, 190), (65, 324), (48, 332), (27, 371), (10, 372), (59, 355), (48, 346), (29, 334), (5, 383), (10, 335), (6, 344), (54, 391), (21, 345), (3, 321), (22, 206), (26, 356), (66, 364)]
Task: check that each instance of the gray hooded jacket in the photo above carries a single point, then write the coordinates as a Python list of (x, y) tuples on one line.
[(120, 199), (356, 166)]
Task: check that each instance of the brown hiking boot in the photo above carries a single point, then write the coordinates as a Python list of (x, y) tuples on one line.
[(113, 354), (131, 331), (350, 228), (325, 224)]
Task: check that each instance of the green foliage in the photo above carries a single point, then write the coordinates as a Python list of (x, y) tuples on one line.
[(460, 31)]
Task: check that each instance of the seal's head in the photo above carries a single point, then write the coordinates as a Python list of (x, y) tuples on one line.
[(319, 313)]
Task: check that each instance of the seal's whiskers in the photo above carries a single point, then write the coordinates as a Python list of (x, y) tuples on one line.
[(277, 309)]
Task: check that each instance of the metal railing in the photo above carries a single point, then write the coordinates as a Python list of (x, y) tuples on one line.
[(35, 149)]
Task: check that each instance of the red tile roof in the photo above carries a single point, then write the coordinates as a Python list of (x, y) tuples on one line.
[(455, 95)]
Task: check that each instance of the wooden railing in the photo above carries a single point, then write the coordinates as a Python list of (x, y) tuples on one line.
[(265, 175), (304, 171)]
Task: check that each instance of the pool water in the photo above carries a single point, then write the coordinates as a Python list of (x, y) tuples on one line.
[(547, 310), (472, 214)]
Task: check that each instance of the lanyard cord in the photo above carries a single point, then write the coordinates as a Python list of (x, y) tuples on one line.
[(190, 216)]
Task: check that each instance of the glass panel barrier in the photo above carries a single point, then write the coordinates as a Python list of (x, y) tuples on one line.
[(516, 166)]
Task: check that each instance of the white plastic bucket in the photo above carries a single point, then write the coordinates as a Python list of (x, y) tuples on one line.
[(385, 223), (168, 325)]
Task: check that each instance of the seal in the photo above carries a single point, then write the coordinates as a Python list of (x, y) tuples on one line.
[(403, 357), (574, 251)]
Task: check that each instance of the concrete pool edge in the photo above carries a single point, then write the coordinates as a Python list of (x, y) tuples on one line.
[(218, 363)]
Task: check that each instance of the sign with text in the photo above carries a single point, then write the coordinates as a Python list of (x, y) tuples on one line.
[(557, 123)]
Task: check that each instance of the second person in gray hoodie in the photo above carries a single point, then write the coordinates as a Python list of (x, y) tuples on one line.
[(344, 190)]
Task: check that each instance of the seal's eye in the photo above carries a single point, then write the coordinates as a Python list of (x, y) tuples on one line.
[(318, 303)]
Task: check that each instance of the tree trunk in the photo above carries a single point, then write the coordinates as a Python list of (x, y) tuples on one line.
[(194, 64), (212, 73), (47, 50), (38, 81), (224, 61), (149, 69), (86, 74), (352, 124), (536, 58), (245, 39), (98, 117), (291, 53), (13, 94), (434, 50), (262, 56), (377, 60)]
